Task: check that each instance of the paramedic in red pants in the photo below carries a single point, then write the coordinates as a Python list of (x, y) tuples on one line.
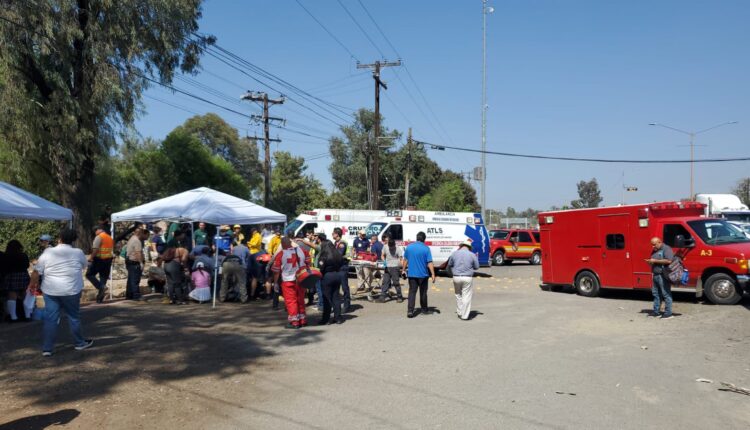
[(285, 265), (417, 262), (661, 256)]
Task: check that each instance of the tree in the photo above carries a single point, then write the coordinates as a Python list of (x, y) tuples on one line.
[(223, 140), (350, 160), (589, 195), (194, 166), (293, 191), (742, 190), (448, 196), (80, 68)]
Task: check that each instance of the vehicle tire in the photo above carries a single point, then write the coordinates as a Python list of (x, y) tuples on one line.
[(722, 289), (498, 258), (536, 259), (587, 284)]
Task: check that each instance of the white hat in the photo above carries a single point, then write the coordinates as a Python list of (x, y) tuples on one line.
[(362, 232), (466, 243), (200, 265)]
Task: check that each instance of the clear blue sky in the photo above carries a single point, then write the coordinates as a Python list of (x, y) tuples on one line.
[(571, 78)]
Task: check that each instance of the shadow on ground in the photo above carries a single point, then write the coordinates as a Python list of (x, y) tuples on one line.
[(159, 342), (42, 421)]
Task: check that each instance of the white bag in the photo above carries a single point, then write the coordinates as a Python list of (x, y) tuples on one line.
[(28, 304)]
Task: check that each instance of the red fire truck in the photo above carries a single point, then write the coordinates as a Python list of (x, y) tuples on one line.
[(599, 248)]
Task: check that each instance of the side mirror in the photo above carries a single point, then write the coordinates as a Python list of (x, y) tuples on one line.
[(681, 242)]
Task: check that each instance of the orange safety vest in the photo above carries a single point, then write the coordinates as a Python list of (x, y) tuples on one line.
[(105, 250)]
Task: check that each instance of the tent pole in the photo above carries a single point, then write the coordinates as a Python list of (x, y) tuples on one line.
[(110, 284), (216, 265)]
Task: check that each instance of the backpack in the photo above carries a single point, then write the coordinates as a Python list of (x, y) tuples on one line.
[(675, 270)]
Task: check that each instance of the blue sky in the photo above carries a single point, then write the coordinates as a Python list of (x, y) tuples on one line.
[(569, 78)]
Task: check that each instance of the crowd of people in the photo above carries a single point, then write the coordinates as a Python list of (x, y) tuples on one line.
[(189, 264)]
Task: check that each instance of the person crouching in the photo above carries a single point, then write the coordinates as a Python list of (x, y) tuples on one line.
[(285, 266)]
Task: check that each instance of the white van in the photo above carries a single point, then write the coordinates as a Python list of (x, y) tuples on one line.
[(445, 231), (349, 220)]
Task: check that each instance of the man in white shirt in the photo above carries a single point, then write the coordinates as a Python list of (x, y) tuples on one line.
[(62, 268)]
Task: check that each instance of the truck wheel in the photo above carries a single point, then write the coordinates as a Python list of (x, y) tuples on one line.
[(587, 284), (536, 258), (721, 289), (498, 258)]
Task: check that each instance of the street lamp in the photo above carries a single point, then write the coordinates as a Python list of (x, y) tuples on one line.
[(692, 135), (485, 11)]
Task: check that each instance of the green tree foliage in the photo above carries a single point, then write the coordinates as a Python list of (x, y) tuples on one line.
[(742, 190), (223, 140), (27, 232), (350, 158), (589, 195), (448, 196), (80, 67), (194, 166), (293, 191)]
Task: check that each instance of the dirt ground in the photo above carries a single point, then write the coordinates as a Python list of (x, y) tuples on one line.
[(529, 359)]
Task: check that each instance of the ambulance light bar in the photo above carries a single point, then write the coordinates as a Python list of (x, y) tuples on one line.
[(313, 213), (328, 217)]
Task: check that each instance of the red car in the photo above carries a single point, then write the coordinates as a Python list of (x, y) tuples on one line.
[(507, 245)]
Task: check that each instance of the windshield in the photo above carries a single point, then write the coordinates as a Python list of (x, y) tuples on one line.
[(718, 232), (293, 226), (743, 217), (374, 229), (499, 234)]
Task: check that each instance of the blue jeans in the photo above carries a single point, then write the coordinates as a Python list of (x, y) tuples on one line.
[(344, 271), (133, 290), (52, 306), (662, 288), (319, 290)]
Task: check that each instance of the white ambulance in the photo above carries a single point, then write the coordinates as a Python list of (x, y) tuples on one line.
[(349, 220), (445, 231)]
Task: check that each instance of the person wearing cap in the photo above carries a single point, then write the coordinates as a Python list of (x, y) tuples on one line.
[(364, 273), (463, 262), (275, 242), (45, 241), (201, 278), (237, 235), (100, 261), (224, 240)]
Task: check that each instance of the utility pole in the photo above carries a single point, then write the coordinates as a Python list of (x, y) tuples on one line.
[(374, 177), (258, 97), (408, 169)]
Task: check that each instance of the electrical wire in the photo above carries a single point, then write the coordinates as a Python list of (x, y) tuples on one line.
[(351, 54), (377, 48), (587, 160)]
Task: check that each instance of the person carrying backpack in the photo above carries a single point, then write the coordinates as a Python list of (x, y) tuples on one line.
[(661, 257)]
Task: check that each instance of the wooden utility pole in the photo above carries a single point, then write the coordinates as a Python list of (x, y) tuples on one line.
[(257, 97), (375, 177)]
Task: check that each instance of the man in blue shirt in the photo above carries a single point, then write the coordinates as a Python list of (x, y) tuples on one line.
[(419, 268)]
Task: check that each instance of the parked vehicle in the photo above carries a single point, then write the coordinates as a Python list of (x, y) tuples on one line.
[(445, 231), (592, 249), (727, 206), (508, 245), (349, 220)]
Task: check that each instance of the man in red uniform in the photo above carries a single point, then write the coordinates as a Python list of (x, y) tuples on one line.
[(285, 265)]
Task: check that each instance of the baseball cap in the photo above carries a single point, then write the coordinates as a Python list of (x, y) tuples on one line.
[(237, 226), (46, 238)]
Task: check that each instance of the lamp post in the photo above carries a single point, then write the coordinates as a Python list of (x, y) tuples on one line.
[(692, 135), (485, 10)]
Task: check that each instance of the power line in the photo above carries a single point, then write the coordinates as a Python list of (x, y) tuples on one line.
[(361, 28), (351, 54), (588, 160)]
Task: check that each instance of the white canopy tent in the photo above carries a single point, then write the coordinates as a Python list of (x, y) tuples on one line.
[(16, 203), (201, 205)]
